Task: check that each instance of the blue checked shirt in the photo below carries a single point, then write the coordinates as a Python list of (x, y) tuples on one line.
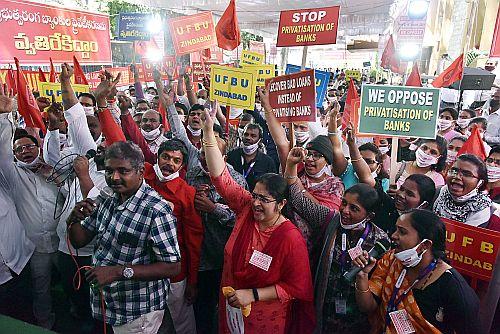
[(137, 232)]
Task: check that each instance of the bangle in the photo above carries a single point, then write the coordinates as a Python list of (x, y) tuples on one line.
[(255, 294), (332, 133), (290, 177), (362, 291), (209, 143), (356, 160)]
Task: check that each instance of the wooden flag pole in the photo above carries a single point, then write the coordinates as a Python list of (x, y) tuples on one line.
[(394, 160)]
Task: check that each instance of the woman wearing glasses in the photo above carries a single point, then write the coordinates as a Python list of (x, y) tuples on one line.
[(265, 258), (462, 199)]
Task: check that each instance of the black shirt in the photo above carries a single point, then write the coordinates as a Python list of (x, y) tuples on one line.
[(262, 164), (450, 304)]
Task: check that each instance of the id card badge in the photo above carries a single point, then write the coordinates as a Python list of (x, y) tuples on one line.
[(402, 322), (234, 318), (340, 306), (261, 260), (355, 252)]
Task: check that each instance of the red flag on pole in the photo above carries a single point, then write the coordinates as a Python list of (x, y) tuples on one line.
[(11, 80), (389, 59), (26, 102), (351, 101), (474, 145), (414, 79), (79, 74), (41, 75), (451, 74), (227, 29), (52, 75)]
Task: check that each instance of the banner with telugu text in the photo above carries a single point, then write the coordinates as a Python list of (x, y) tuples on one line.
[(34, 32)]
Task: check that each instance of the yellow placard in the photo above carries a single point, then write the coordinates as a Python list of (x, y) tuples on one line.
[(355, 74), (47, 89), (251, 58), (233, 86), (263, 72)]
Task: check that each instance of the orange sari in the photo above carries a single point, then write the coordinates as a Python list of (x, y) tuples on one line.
[(382, 284)]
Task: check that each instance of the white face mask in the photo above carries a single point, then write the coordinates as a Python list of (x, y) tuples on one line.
[(99, 140), (195, 133), (463, 122), (325, 170), (241, 131), (410, 257), (451, 157), (182, 118), (301, 136), (29, 165), (250, 149), (202, 101), (384, 149), (353, 226), (151, 135), (89, 111), (258, 106), (424, 159), (493, 173), (466, 197), (374, 174), (468, 133), (162, 177), (444, 124)]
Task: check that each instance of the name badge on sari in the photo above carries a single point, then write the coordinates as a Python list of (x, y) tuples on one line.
[(261, 260), (402, 322), (234, 318), (340, 306)]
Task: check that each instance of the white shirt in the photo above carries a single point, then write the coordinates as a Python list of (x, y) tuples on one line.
[(35, 199), (15, 248)]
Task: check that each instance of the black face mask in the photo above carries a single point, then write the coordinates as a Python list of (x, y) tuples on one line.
[(494, 104)]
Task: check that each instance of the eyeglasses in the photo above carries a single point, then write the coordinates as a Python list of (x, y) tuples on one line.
[(262, 198), (314, 156), (370, 162), (463, 173), (493, 161), (28, 147)]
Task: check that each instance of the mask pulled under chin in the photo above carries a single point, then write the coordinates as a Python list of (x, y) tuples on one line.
[(195, 133), (29, 165), (410, 257), (325, 170), (151, 135), (353, 226), (424, 159), (469, 195), (162, 177), (250, 149)]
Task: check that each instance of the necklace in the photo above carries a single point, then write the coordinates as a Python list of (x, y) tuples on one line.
[(270, 225)]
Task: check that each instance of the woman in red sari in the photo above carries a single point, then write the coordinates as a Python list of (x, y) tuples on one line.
[(265, 258)]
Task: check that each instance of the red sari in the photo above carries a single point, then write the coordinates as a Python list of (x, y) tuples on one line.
[(289, 270)]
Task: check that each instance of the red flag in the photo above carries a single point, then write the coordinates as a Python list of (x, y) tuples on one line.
[(26, 102), (414, 79), (451, 74), (52, 76), (11, 80), (163, 112), (351, 101), (389, 59), (41, 75), (474, 145), (79, 74), (227, 29)]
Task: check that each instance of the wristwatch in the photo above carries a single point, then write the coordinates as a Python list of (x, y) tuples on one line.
[(128, 272)]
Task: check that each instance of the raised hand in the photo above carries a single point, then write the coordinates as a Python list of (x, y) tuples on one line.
[(106, 86), (42, 102), (296, 155), (207, 121), (6, 99), (124, 103), (264, 97), (66, 72)]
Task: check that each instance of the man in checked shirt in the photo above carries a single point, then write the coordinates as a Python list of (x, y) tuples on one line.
[(136, 249)]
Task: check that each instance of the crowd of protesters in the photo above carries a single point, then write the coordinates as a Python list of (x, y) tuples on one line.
[(157, 216)]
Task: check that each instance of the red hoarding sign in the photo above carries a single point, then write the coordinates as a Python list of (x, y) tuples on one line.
[(317, 26), (471, 250), (192, 33), (293, 97), (198, 72), (34, 32), (125, 79), (495, 45)]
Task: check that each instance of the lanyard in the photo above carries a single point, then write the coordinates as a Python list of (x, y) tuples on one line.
[(343, 255), (247, 172), (393, 302)]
